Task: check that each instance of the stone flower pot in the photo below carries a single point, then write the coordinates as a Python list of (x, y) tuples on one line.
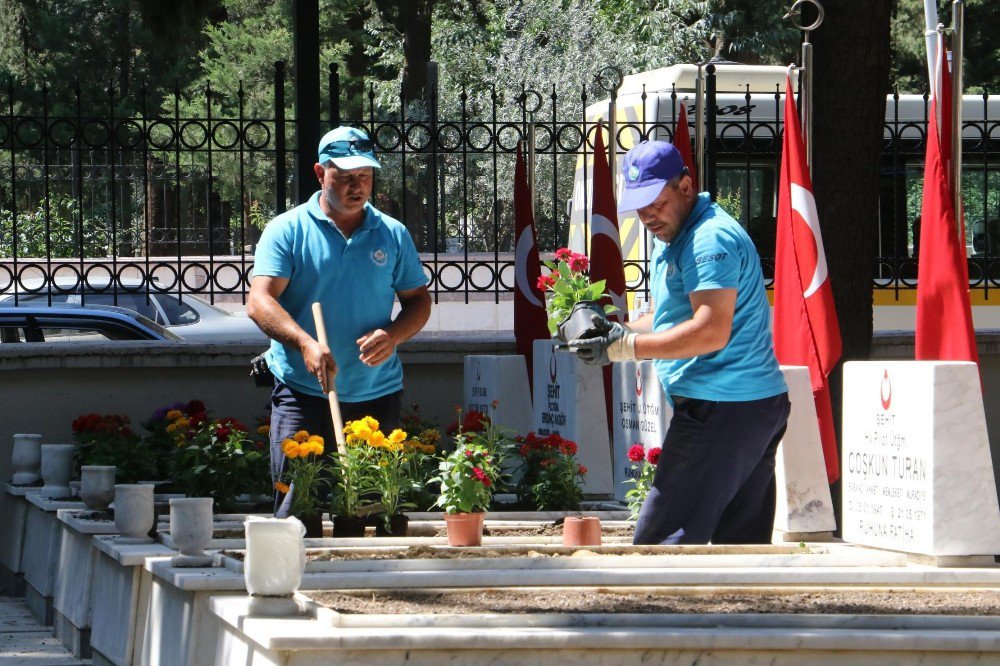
[(97, 486), (580, 321), (57, 469), (191, 530), (26, 459), (582, 531), (465, 529), (134, 512), (275, 557)]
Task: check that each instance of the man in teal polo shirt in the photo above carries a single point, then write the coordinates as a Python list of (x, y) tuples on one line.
[(339, 250), (710, 336)]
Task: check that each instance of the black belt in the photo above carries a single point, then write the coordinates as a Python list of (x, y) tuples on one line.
[(678, 399)]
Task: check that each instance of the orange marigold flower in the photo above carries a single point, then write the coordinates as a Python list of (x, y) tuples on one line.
[(281, 487), (300, 436), (291, 448), (263, 430), (174, 414), (397, 436)]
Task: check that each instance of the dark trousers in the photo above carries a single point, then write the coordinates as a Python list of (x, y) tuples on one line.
[(715, 478), (292, 411)]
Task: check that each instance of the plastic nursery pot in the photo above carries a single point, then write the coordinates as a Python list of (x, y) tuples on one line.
[(348, 527), (579, 321), (398, 523), (26, 459), (314, 525), (582, 531), (465, 529)]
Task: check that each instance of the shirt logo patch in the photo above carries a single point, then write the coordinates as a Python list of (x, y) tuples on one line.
[(633, 173), (379, 257), (670, 270)]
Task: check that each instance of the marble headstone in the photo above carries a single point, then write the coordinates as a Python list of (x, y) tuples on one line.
[(569, 400), (503, 379), (803, 505), (640, 413), (917, 474)]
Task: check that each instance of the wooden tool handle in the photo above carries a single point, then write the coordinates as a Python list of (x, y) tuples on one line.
[(331, 392)]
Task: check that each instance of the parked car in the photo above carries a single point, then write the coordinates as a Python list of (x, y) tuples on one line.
[(191, 317), (75, 324)]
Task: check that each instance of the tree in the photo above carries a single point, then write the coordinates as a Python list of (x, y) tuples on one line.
[(851, 54)]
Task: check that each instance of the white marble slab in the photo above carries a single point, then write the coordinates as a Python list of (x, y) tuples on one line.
[(40, 553), (804, 504), (917, 471), (640, 415), (15, 509), (503, 380), (569, 400)]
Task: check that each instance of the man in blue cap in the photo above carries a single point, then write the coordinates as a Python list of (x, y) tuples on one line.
[(709, 333), (339, 250)]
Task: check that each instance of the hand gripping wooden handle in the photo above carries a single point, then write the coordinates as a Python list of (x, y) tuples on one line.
[(331, 393)]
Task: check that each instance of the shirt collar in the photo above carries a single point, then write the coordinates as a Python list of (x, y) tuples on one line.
[(701, 204)]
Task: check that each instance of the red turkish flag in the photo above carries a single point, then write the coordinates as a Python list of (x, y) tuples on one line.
[(682, 141), (805, 320), (605, 241), (530, 320), (944, 331)]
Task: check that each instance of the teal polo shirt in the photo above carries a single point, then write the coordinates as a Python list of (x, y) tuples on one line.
[(712, 251), (356, 280)]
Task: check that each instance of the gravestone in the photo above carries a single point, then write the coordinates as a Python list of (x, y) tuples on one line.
[(503, 380), (917, 473), (641, 416), (569, 400), (803, 507)]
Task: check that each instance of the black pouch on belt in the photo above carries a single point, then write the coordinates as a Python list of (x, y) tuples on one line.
[(260, 373)]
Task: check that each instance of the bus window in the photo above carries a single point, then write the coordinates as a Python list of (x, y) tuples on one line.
[(750, 196)]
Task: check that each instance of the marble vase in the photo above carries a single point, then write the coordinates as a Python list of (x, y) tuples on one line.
[(276, 556), (97, 486), (57, 469), (26, 459), (134, 512), (191, 530)]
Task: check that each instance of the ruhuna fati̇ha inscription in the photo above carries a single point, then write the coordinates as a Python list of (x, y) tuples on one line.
[(640, 413), (569, 400), (917, 473), (498, 387)]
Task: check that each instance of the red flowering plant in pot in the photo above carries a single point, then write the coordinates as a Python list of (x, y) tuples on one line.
[(108, 439), (549, 478), (572, 300), (643, 469), (468, 476)]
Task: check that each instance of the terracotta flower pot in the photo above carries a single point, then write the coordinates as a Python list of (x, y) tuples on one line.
[(465, 529), (583, 531), (348, 527), (579, 323), (398, 523)]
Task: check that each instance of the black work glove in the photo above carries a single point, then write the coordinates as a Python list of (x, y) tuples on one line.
[(612, 342)]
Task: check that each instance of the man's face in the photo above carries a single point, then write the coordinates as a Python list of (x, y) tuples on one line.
[(667, 212), (345, 191)]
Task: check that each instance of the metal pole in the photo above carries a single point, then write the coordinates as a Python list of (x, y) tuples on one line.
[(806, 72), (307, 98), (957, 36), (612, 142), (711, 142), (699, 124), (931, 37), (531, 161)]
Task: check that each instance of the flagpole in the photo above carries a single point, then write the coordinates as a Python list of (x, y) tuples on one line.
[(699, 124), (931, 37), (806, 74), (957, 55)]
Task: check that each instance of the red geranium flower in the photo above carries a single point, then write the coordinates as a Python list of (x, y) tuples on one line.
[(636, 453), (564, 254), (578, 262), (582, 470), (653, 457)]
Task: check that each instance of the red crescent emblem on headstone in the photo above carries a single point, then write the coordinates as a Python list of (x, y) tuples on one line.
[(638, 382), (885, 391), (553, 368)]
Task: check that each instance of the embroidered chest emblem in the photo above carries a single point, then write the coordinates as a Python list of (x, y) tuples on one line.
[(379, 257)]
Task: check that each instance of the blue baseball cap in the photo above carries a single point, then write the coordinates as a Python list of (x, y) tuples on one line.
[(647, 167), (347, 148)]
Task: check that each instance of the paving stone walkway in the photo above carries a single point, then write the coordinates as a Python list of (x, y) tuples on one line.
[(24, 642)]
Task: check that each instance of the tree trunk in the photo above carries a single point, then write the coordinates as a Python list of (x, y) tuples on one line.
[(416, 16), (358, 64), (851, 75)]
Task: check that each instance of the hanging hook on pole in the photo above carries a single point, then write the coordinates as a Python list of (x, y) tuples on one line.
[(806, 70)]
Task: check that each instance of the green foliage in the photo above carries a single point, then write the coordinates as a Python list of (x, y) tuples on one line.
[(217, 460), (549, 478), (60, 222), (467, 477), (643, 470), (109, 440), (569, 284)]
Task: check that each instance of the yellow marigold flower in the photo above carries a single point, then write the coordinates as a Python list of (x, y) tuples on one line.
[(317, 439), (383, 463), (361, 430), (174, 414), (314, 447), (300, 436), (281, 487), (377, 439), (172, 427), (182, 423), (290, 448), (430, 435), (371, 423), (263, 430), (397, 436)]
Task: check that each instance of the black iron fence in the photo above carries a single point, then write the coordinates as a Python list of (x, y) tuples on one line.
[(170, 201)]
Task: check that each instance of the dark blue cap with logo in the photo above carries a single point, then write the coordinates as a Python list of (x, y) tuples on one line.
[(647, 167)]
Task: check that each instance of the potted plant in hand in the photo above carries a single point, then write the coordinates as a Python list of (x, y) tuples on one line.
[(303, 479), (643, 469), (573, 301), (467, 477)]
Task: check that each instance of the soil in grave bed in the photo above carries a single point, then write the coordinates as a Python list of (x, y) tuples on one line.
[(876, 602)]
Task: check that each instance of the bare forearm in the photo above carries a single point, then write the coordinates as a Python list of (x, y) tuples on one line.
[(644, 324), (275, 321), (413, 315), (688, 339)]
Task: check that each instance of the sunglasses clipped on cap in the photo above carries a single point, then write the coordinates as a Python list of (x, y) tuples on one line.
[(352, 147)]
